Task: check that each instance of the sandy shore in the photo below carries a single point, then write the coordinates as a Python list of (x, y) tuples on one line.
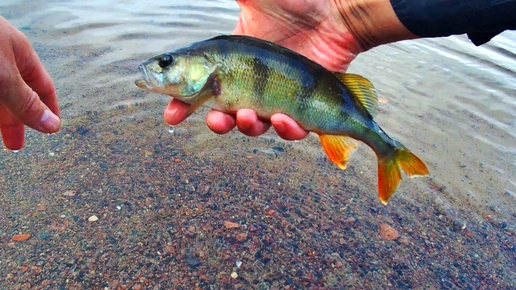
[(173, 216)]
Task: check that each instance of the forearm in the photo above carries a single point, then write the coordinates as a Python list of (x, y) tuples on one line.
[(480, 19), (376, 22), (373, 22)]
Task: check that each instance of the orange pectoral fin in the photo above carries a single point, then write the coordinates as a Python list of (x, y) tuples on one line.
[(210, 89), (338, 148)]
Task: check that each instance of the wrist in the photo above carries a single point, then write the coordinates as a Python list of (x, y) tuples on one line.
[(372, 22)]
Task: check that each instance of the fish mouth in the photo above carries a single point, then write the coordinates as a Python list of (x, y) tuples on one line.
[(150, 79)]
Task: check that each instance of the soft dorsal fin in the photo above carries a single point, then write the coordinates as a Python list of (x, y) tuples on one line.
[(363, 89)]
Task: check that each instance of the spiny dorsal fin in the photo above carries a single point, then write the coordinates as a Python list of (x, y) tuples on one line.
[(363, 89)]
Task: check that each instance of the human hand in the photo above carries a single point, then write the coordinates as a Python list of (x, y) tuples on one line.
[(309, 27), (330, 33), (27, 94)]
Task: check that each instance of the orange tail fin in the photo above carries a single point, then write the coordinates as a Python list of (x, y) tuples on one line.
[(389, 174)]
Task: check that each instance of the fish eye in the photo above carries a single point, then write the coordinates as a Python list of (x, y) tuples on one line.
[(165, 60)]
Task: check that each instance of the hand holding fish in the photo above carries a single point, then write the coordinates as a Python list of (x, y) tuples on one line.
[(330, 33), (27, 94)]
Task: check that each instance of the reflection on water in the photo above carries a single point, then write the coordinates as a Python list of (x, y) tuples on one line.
[(163, 194), (460, 104)]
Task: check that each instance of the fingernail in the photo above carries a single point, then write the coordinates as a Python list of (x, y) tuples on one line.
[(278, 125), (50, 122)]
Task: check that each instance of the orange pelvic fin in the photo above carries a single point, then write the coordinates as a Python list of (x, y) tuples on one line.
[(389, 174), (338, 148)]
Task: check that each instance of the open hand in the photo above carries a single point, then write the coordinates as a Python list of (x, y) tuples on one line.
[(27, 94)]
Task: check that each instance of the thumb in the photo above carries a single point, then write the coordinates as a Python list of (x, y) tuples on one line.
[(26, 106)]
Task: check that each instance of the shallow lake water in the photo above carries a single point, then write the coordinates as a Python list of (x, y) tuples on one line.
[(181, 207)]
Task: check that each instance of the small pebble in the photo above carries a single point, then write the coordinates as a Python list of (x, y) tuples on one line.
[(93, 218), (278, 149), (231, 225), (241, 237), (69, 193), (44, 236), (21, 237), (193, 262), (404, 240), (388, 233), (383, 100)]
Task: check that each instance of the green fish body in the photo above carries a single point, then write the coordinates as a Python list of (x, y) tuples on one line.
[(229, 73)]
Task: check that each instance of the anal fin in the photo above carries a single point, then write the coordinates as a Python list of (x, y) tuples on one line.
[(338, 148)]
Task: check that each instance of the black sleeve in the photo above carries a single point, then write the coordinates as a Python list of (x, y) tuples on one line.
[(480, 19)]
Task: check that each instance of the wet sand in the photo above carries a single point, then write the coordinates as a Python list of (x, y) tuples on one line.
[(172, 215), (184, 208)]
